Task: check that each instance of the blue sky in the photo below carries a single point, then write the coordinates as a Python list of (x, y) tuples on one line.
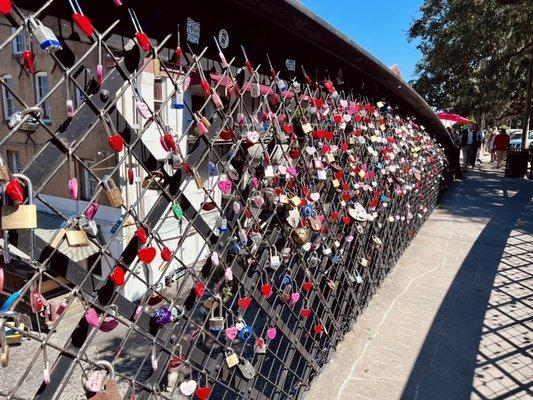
[(379, 26)]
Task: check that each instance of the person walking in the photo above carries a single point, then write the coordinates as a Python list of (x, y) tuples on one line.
[(501, 144), (490, 144), (470, 141)]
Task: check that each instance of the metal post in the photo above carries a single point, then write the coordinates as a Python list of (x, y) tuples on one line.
[(527, 105)]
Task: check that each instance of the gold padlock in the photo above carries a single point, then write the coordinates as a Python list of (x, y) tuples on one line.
[(329, 158), (336, 183), (77, 237), (295, 201), (5, 175), (58, 238), (114, 196), (232, 359), (22, 216)]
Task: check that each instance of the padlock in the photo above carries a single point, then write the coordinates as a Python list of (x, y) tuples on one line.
[(301, 235), (76, 236), (293, 218), (275, 259), (154, 181), (307, 210), (307, 128), (336, 183), (216, 322), (329, 158), (232, 359), (22, 216), (260, 346), (177, 101), (5, 175), (109, 389), (114, 196), (321, 174), (247, 369), (295, 201), (315, 223), (45, 36), (286, 294)]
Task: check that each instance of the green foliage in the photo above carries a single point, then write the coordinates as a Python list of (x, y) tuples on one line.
[(474, 53)]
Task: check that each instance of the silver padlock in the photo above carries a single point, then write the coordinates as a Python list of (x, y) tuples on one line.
[(216, 322), (28, 118), (45, 36)]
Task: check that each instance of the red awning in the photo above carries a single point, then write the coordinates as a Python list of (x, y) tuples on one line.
[(453, 118)]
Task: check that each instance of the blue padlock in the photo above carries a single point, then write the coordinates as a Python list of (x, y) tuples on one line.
[(286, 280), (10, 301), (307, 210), (235, 249), (212, 169), (246, 332), (336, 259), (384, 199)]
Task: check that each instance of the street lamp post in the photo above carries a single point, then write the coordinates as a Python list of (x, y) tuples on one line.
[(527, 105)]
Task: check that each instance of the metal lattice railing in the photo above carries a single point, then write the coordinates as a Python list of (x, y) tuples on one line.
[(288, 203)]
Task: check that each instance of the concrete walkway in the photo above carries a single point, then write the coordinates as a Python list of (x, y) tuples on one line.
[(454, 319)]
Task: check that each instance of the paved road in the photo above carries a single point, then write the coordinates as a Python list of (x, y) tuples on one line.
[(454, 319)]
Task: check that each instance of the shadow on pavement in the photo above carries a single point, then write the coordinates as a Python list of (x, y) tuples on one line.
[(478, 344)]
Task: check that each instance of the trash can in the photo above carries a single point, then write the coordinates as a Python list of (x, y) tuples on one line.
[(516, 166)]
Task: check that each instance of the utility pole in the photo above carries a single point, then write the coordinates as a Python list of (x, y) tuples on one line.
[(527, 105)]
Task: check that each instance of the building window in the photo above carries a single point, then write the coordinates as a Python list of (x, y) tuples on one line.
[(18, 42), (89, 182), (13, 161), (159, 96), (42, 89), (8, 101)]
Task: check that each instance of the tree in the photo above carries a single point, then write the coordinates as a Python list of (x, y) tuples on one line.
[(474, 56)]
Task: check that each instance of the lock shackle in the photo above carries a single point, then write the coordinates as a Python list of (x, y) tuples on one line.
[(108, 183), (29, 186), (103, 364), (220, 309)]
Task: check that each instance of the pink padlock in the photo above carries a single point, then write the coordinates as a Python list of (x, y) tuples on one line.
[(202, 128), (73, 188), (99, 74), (91, 210), (93, 319), (215, 98), (118, 3)]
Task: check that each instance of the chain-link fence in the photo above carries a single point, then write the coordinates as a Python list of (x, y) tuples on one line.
[(193, 233)]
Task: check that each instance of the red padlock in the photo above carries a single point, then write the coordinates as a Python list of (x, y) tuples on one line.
[(170, 142), (118, 275), (141, 235), (131, 176), (6, 7), (143, 41), (166, 254), (116, 142), (84, 23), (15, 191), (28, 58)]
